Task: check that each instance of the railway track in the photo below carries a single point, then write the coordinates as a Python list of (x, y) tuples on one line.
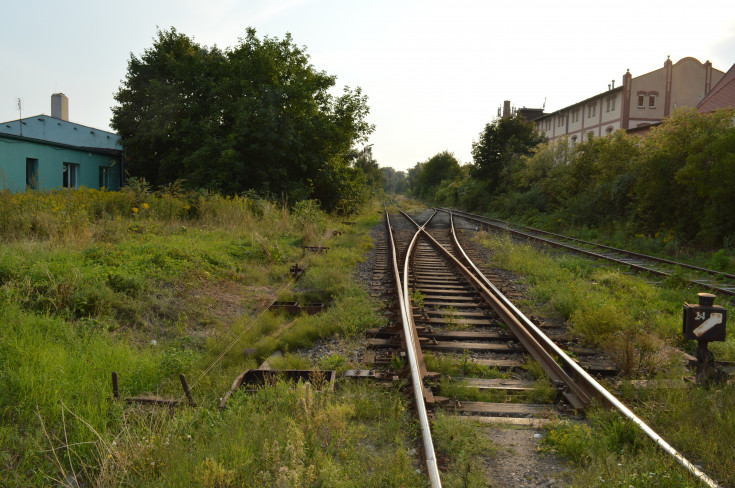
[(449, 306), (714, 280)]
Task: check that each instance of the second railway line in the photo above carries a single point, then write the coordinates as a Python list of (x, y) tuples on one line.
[(716, 281)]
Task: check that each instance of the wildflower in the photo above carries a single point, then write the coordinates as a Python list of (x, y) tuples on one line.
[(135, 209), (144, 205)]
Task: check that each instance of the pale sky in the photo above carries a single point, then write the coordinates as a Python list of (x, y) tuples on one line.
[(435, 72)]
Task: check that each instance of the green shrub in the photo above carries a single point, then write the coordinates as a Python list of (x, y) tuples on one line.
[(571, 440), (333, 361), (596, 321), (465, 444)]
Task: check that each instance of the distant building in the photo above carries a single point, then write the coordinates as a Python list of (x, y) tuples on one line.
[(530, 114), (722, 94), (640, 101), (47, 152)]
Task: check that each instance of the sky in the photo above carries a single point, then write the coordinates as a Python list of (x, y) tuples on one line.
[(435, 72)]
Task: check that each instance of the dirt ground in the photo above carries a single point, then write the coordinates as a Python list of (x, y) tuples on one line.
[(518, 462)]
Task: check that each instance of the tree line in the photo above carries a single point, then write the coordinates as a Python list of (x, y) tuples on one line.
[(676, 183), (256, 117)]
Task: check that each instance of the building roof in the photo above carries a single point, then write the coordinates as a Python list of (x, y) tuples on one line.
[(612, 90), (90, 149), (721, 95), (49, 129)]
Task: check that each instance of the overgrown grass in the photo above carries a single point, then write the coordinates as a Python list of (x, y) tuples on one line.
[(281, 435), (153, 285), (611, 451), (607, 307), (464, 444), (462, 366), (542, 391), (639, 325)]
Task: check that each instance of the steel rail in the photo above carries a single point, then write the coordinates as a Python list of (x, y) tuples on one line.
[(579, 372), (411, 340), (575, 394), (603, 246), (637, 267)]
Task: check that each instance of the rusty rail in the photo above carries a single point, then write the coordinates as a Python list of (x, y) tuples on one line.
[(590, 383), (413, 350), (575, 393)]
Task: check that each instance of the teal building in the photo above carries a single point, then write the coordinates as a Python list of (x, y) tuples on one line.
[(49, 152)]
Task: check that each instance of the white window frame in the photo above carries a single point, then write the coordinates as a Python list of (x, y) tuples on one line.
[(70, 175)]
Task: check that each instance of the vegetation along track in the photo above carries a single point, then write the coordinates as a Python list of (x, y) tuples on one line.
[(717, 281), (448, 305)]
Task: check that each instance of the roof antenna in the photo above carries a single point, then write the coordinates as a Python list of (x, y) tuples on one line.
[(544, 106), (20, 118)]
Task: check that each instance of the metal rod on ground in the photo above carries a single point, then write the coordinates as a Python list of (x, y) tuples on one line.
[(185, 386), (115, 389)]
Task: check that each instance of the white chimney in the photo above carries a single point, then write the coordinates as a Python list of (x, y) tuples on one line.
[(59, 106)]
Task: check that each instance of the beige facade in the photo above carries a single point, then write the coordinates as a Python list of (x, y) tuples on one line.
[(643, 100)]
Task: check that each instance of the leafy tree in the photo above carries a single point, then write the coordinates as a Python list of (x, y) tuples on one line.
[(441, 166), (600, 178), (686, 176), (257, 116), (165, 107), (412, 178), (366, 163), (453, 191), (394, 182), (500, 146)]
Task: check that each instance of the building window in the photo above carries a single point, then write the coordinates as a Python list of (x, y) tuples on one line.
[(560, 120), (651, 101), (32, 174), (104, 177), (609, 130), (575, 115), (641, 99), (69, 179), (574, 141), (592, 110)]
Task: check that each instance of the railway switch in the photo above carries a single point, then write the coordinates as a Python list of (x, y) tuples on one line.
[(705, 323)]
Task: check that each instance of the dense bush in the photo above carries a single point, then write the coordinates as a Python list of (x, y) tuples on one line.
[(675, 184)]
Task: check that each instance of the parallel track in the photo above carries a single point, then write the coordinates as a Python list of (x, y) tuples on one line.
[(717, 281), (436, 264)]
